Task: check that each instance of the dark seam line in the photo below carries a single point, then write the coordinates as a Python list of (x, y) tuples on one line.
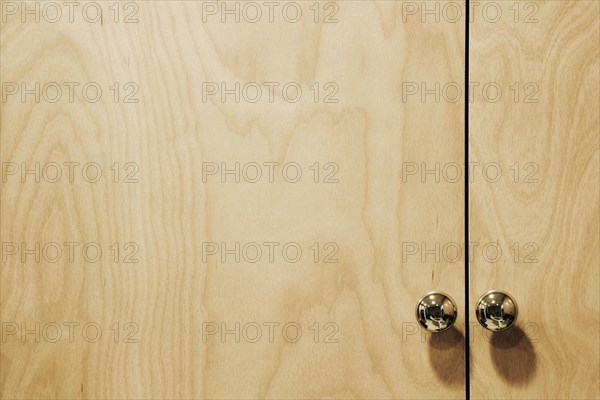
[(466, 225)]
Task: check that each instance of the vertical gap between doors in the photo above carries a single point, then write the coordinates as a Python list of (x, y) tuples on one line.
[(466, 211)]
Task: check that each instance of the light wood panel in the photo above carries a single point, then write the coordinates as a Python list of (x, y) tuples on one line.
[(555, 352), (172, 295)]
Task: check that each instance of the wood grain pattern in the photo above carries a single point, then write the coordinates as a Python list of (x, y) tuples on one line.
[(555, 353), (171, 293)]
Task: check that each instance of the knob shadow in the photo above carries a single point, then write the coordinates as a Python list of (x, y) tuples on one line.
[(447, 356), (513, 356)]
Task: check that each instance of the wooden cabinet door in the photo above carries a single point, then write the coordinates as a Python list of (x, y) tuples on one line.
[(538, 201), (222, 199)]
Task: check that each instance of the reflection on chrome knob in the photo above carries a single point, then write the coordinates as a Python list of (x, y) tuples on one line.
[(436, 311), (496, 310)]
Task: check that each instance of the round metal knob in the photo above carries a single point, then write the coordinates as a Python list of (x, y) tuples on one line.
[(436, 312), (496, 310)]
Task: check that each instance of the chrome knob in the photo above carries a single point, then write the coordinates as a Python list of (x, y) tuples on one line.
[(496, 310), (436, 312)]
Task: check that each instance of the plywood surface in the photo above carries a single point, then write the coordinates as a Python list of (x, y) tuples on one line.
[(545, 219), (168, 210)]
